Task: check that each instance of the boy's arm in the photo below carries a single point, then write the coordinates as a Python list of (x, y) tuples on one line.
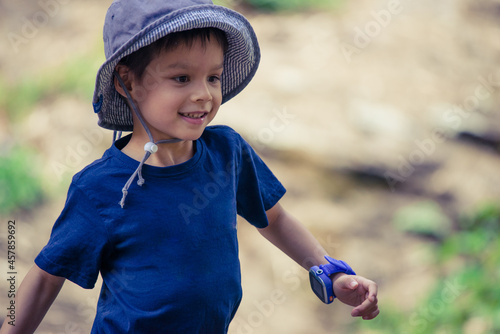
[(289, 235), (36, 294)]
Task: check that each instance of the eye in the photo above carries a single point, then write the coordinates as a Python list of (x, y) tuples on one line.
[(214, 79), (182, 79)]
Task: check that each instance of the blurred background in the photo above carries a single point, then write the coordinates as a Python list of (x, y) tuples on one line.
[(380, 117)]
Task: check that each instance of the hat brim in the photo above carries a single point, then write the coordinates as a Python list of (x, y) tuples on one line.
[(240, 61)]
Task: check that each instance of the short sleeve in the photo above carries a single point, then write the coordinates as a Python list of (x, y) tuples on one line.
[(258, 189), (77, 243)]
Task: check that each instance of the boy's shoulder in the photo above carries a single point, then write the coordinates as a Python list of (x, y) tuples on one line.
[(97, 172), (221, 134), (220, 130)]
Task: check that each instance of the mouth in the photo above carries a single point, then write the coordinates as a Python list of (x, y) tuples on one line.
[(194, 118), (194, 115)]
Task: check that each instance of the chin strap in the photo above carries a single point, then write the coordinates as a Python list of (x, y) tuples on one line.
[(150, 147)]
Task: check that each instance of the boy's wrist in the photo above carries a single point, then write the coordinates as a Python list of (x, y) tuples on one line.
[(335, 276), (323, 278)]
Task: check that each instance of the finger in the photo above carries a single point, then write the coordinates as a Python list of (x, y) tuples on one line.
[(364, 312), (347, 282), (373, 315), (353, 284), (367, 307), (372, 291)]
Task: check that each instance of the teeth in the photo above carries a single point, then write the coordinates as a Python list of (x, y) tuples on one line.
[(193, 115)]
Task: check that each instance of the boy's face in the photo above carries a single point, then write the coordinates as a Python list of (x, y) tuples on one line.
[(180, 91)]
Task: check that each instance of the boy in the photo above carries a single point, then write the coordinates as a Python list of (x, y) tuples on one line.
[(166, 247)]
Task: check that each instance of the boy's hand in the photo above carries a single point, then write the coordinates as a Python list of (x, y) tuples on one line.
[(357, 291)]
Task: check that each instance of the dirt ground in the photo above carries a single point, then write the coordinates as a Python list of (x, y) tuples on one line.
[(360, 112)]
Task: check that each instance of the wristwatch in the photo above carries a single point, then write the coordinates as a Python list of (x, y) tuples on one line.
[(319, 276)]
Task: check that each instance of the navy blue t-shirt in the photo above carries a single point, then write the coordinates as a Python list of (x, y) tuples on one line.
[(169, 258)]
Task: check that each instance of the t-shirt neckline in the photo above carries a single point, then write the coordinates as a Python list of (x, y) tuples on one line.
[(115, 151)]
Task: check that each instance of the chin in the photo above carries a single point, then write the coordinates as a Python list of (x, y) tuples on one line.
[(192, 135)]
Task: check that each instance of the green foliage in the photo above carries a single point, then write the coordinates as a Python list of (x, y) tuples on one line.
[(287, 5), (424, 218), (18, 98), (20, 186), (76, 77), (282, 5), (467, 299)]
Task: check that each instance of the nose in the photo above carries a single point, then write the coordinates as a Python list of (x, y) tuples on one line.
[(201, 92)]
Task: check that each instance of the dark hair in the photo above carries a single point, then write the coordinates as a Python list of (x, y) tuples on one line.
[(139, 60)]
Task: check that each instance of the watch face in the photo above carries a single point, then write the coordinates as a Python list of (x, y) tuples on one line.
[(317, 286)]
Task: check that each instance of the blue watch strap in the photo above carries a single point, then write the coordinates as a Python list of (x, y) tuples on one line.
[(336, 266)]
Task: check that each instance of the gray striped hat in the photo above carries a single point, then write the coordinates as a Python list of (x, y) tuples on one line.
[(133, 24)]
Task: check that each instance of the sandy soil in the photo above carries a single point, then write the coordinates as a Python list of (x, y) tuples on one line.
[(341, 99)]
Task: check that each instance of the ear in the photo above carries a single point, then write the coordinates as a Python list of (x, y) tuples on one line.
[(127, 77)]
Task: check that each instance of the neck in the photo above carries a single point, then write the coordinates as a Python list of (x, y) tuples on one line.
[(168, 154)]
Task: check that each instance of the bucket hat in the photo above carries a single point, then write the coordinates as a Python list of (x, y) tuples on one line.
[(132, 24)]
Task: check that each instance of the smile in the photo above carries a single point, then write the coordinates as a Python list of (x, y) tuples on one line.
[(194, 115)]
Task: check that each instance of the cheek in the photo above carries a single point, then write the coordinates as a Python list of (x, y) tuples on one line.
[(151, 90), (150, 83), (159, 98), (217, 96), (140, 95)]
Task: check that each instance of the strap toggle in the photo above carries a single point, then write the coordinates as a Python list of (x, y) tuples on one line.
[(151, 147)]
